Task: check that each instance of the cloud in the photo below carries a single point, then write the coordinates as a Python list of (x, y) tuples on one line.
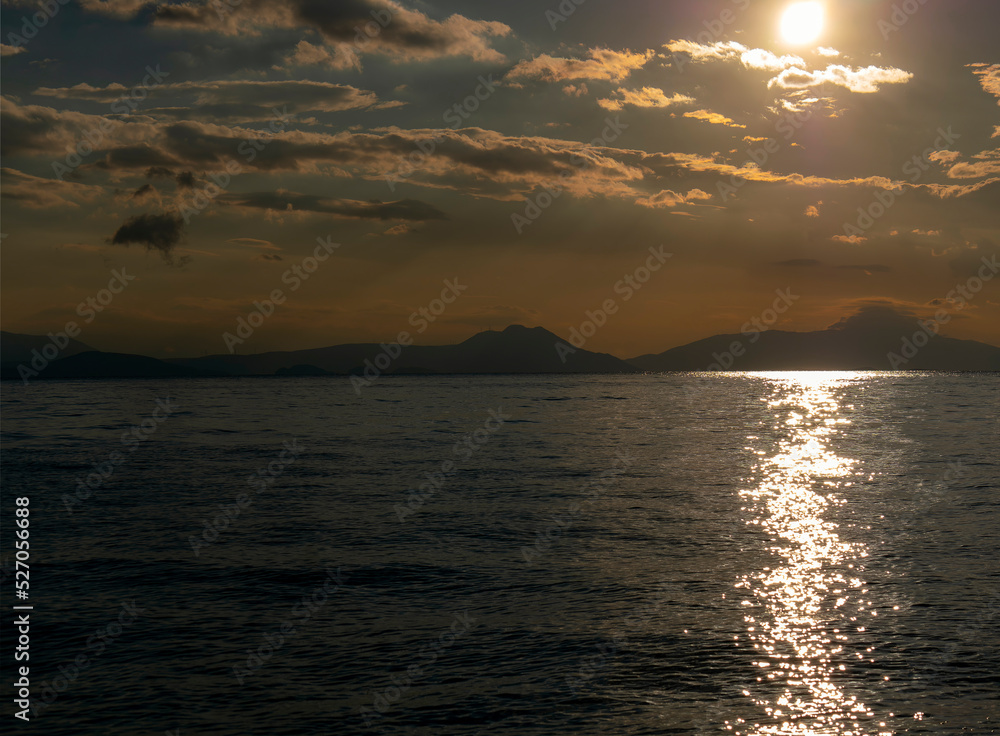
[(646, 97), (144, 191), (757, 59), (713, 117), (669, 198), (254, 243), (987, 164), (308, 54), (285, 201), (6, 50), (231, 100), (160, 232), (183, 179), (121, 9), (875, 268), (33, 129), (850, 239), (36, 192), (792, 68), (472, 161), (400, 229), (579, 90), (827, 51), (954, 191), (763, 60), (603, 64), (879, 316), (989, 77), (813, 210), (996, 131), (944, 157), (864, 81), (351, 29)]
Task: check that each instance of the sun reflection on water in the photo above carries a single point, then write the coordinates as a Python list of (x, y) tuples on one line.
[(801, 612)]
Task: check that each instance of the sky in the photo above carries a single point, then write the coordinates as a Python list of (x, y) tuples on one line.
[(526, 159)]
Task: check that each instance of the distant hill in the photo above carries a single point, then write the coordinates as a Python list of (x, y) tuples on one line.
[(94, 364), (517, 349), (862, 342), (301, 370), (15, 348)]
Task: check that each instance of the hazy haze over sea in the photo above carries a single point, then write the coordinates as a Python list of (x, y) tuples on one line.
[(788, 553)]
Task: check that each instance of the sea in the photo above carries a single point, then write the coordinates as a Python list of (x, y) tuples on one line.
[(815, 554)]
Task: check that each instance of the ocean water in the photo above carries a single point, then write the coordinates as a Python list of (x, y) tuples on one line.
[(811, 554)]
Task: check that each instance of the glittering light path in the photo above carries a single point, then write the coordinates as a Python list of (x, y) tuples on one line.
[(801, 612)]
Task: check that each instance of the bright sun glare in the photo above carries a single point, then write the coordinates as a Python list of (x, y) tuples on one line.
[(802, 22)]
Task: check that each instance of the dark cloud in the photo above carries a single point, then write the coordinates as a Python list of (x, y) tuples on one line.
[(396, 31), (230, 100), (160, 232), (143, 191), (283, 201), (880, 317), (33, 129), (159, 172), (801, 262), (140, 156), (875, 268), (184, 179), (35, 192)]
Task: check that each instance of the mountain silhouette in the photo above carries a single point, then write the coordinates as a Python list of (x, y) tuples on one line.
[(17, 348), (95, 364), (876, 338), (516, 349)]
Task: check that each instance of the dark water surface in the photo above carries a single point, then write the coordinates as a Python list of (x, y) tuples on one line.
[(811, 554)]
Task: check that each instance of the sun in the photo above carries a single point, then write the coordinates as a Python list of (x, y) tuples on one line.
[(802, 23)]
